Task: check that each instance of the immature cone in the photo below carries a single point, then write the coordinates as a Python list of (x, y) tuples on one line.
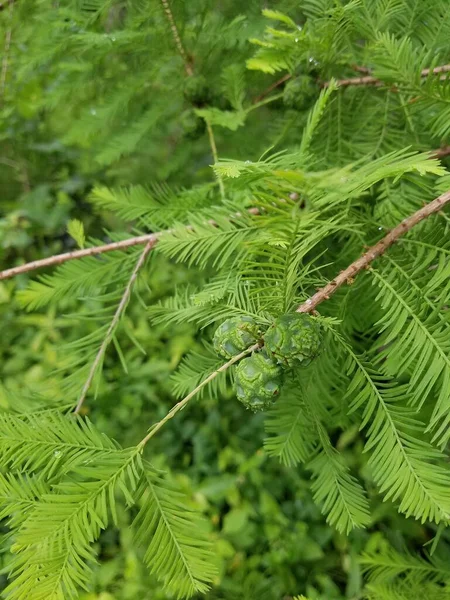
[(294, 339), (235, 335), (258, 381)]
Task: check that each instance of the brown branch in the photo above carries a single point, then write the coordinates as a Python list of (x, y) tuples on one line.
[(350, 81), (176, 37), (436, 70), (59, 259), (359, 69), (109, 334), (374, 252), (369, 80), (442, 152)]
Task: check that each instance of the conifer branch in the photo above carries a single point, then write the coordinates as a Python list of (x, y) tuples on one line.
[(367, 79), (321, 295), (370, 80), (374, 252), (60, 259), (118, 314), (176, 37)]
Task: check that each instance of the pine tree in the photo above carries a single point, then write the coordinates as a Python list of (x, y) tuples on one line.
[(324, 192)]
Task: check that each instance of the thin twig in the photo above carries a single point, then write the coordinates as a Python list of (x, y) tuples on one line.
[(212, 143), (5, 60), (173, 411), (436, 70), (442, 152), (59, 259), (349, 81), (360, 69), (120, 310), (271, 87), (323, 294), (369, 80), (176, 37), (374, 252)]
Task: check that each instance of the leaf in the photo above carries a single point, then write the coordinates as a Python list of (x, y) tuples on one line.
[(75, 229), (407, 469), (341, 496), (177, 548), (290, 424), (279, 16), (224, 118), (53, 547), (49, 442)]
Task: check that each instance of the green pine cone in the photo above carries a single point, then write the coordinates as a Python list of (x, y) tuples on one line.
[(235, 335), (294, 339), (258, 381)]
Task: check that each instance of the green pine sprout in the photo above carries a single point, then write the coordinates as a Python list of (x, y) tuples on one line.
[(294, 339), (258, 381), (235, 335)]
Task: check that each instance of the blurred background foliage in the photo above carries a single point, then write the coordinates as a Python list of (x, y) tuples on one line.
[(132, 120)]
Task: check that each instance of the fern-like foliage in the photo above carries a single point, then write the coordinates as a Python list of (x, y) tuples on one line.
[(293, 437), (325, 175), (59, 511), (50, 442), (335, 489), (417, 338), (53, 546), (195, 367), (85, 277), (299, 425), (165, 525), (400, 461), (155, 208), (396, 575)]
